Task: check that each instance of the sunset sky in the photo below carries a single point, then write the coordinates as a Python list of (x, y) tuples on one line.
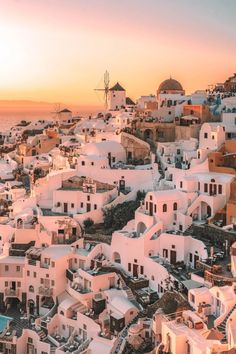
[(58, 50)]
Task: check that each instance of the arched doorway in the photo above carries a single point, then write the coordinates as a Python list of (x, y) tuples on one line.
[(148, 134), (141, 228), (116, 257)]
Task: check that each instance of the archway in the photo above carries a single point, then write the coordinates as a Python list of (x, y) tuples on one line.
[(116, 257), (148, 134), (141, 228)]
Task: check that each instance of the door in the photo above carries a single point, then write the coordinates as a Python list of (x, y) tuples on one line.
[(88, 207), (13, 285), (196, 258), (135, 270), (121, 185), (172, 257), (151, 209), (65, 208)]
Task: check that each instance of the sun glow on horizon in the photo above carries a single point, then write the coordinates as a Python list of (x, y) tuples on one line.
[(58, 50)]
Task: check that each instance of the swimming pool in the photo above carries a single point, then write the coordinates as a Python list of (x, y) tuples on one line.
[(3, 322)]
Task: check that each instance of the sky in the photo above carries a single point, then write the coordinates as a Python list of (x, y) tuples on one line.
[(58, 50)]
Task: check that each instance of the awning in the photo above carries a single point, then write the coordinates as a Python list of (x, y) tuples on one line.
[(191, 284)]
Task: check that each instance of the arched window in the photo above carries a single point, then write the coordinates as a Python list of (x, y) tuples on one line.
[(175, 206), (164, 208), (31, 288)]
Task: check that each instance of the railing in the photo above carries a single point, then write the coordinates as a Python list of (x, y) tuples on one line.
[(11, 292), (45, 291), (212, 277), (32, 262)]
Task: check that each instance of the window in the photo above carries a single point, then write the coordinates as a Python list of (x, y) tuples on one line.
[(165, 253), (18, 284), (175, 206), (181, 184), (58, 204), (95, 206), (53, 282), (30, 340), (88, 198), (150, 197), (28, 273), (146, 205), (6, 268), (18, 268), (34, 274), (155, 208), (135, 261), (6, 284), (92, 163), (83, 163), (205, 135), (129, 267), (164, 208), (172, 246), (220, 189), (198, 186), (213, 137), (192, 298), (81, 205), (141, 269), (72, 205), (53, 264), (205, 187), (190, 257), (178, 151)]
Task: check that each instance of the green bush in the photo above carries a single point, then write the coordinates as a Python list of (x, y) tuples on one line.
[(88, 223), (116, 217)]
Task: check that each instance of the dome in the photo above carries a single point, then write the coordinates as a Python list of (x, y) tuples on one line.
[(170, 85)]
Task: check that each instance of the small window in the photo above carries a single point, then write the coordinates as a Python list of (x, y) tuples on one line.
[(72, 205), (155, 208), (6, 268), (150, 197), (88, 198), (30, 340), (6, 284), (18, 284), (53, 264), (129, 267), (190, 257), (205, 187), (213, 137), (83, 163), (164, 208), (35, 274), (175, 206), (53, 282), (141, 269), (220, 189), (81, 205), (205, 135), (28, 273), (181, 184), (18, 268), (95, 206)]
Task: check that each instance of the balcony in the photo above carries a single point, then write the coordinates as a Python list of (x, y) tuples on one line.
[(12, 292), (70, 274), (45, 291)]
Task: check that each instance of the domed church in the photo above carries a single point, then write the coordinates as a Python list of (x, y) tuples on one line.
[(170, 86)]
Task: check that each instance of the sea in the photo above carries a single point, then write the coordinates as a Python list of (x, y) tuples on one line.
[(9, 120)]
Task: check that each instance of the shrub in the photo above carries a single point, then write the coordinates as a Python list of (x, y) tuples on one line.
[(88, 223)]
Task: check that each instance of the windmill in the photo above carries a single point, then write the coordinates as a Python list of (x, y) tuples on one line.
[(105, 89), (56, 111)]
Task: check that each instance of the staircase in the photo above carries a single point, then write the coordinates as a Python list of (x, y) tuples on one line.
[(222, 326), (80, 308), (42, 335)]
